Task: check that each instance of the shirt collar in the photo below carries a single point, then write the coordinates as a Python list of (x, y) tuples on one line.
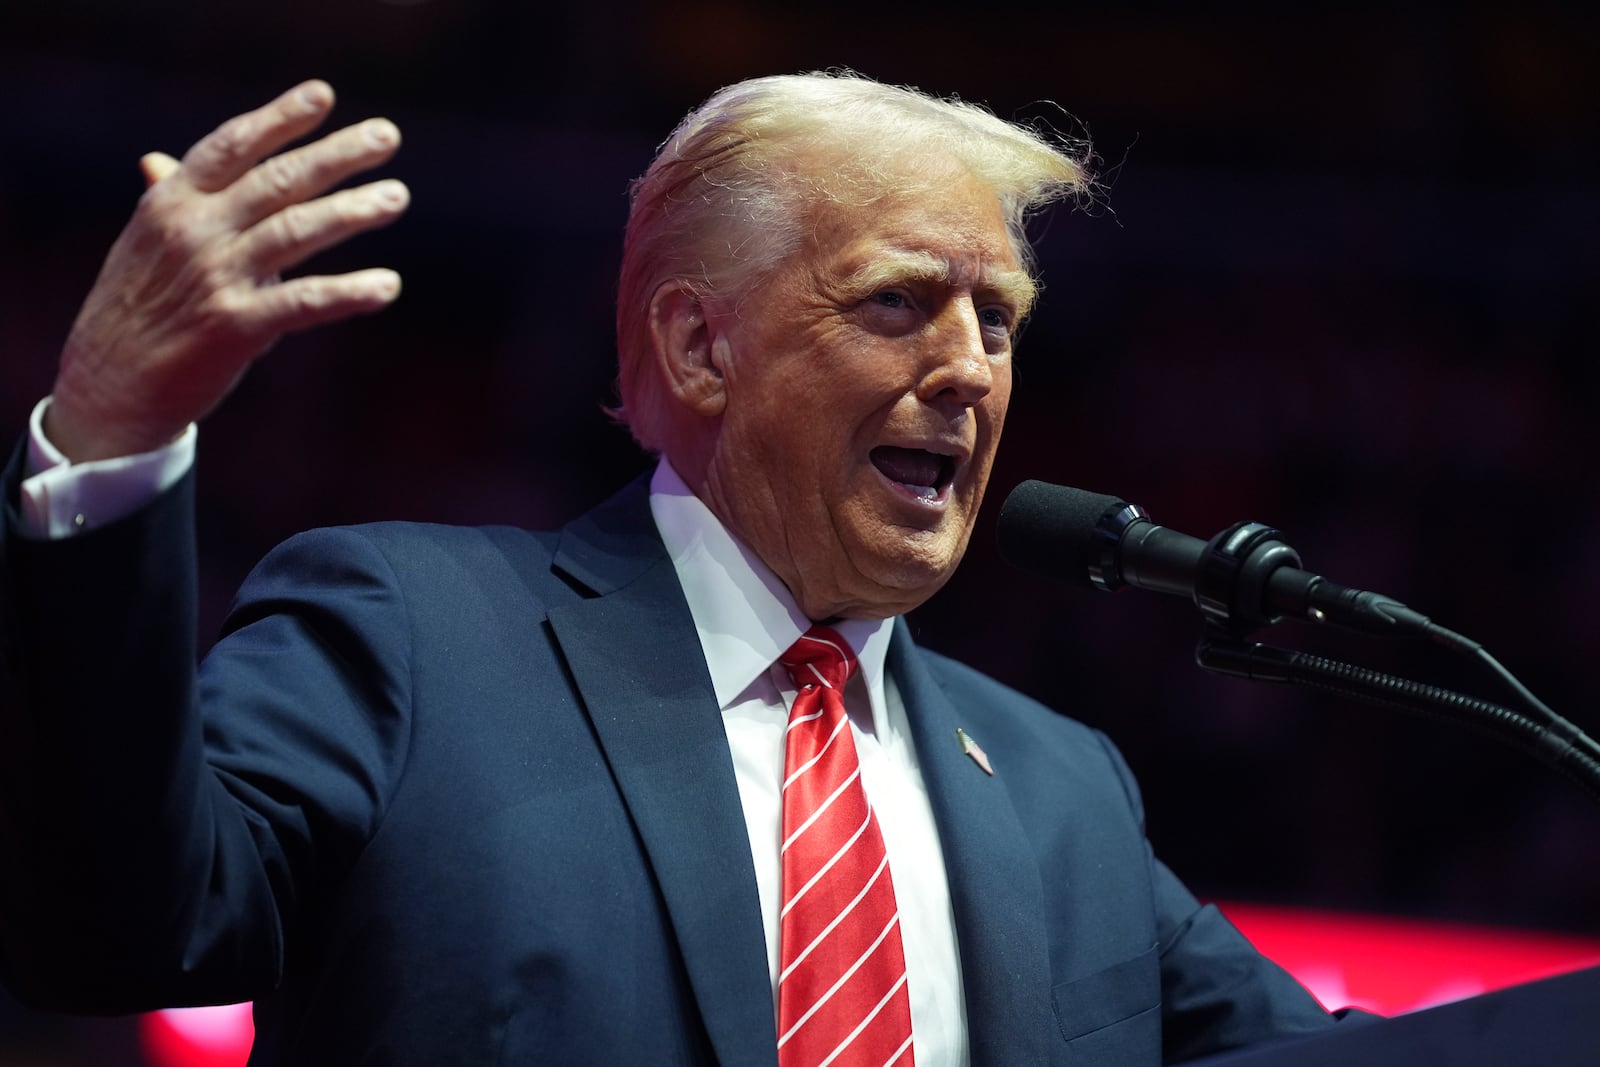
[(745, 616)]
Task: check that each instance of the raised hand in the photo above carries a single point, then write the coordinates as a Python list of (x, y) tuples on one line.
[(190, 293)]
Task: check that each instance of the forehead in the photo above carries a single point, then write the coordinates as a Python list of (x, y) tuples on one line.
[(954, 230)]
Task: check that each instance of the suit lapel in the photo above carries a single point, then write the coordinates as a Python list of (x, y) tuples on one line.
[(637, 661), (994, 878)]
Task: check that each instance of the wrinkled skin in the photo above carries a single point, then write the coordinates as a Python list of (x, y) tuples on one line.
[(190, 294)]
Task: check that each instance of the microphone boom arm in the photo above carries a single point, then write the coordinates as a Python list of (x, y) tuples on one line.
[(1557, 742)]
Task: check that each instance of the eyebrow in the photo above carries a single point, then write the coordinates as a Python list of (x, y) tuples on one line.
[(900, 268)]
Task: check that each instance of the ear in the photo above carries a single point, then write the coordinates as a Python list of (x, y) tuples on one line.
[(683, 349)]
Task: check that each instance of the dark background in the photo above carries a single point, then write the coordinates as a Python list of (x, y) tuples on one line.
[(1341, 281)]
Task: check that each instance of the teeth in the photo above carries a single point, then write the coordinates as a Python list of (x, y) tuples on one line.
[(926, 492)]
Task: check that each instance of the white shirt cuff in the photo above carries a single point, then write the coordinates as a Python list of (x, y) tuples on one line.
[(60, 498)]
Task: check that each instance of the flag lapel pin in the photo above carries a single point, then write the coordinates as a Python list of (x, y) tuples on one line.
[(970, 747)]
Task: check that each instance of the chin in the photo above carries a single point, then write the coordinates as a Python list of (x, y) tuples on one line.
[(911, 573)]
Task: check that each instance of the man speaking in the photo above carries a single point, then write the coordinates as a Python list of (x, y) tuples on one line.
[(670, 785)]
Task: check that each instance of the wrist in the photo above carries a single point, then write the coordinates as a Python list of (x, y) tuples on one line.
[(84, 430)]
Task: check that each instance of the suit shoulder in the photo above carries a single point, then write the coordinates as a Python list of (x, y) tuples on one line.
[(1040, 746), (414, 556), (409, 543), (999, 704)]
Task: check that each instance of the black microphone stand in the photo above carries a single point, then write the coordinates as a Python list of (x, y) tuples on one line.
[(1247, 578), (1555, 741)]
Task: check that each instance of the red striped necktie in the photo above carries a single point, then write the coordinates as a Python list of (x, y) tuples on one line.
[(842, 997)]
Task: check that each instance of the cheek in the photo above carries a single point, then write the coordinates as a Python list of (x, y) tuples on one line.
[(999, 397), (992, 417)]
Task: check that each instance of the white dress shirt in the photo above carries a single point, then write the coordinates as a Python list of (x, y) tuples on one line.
[(745, 619)]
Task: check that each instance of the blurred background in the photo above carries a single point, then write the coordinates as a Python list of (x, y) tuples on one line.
[(1340, 280)]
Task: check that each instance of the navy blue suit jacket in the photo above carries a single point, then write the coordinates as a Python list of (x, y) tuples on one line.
[(462, 796)]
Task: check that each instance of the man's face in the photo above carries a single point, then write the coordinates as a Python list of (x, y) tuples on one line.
[(866, 386)]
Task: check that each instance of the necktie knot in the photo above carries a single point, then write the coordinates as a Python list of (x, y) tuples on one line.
[(820, 657)]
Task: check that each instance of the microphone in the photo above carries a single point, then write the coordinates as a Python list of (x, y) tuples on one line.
[(1242, 579)]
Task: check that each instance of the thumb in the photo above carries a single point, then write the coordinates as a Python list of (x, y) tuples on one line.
[(155, 166)]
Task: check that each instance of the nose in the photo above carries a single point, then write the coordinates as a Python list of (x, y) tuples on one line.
[(960, 366)]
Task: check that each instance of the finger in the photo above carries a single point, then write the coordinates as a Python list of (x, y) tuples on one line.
[(301, 230), (221, 157), (311, 169), (302, 303), (156, 166)]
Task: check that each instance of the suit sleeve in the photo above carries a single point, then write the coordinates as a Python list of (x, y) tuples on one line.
[(166, 830)]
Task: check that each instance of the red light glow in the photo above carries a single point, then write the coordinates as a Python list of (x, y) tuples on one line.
[(1393, 966), (198, 1037)]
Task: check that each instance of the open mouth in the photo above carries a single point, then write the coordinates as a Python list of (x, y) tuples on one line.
[(925, 475)]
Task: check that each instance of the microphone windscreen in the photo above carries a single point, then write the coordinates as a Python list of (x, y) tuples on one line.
[(1050, 529)]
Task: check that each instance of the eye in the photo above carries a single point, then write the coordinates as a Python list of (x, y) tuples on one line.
[(890, 312), (997, 319)]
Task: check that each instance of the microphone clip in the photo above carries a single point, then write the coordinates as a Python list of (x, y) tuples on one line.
[(1231, 582)]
